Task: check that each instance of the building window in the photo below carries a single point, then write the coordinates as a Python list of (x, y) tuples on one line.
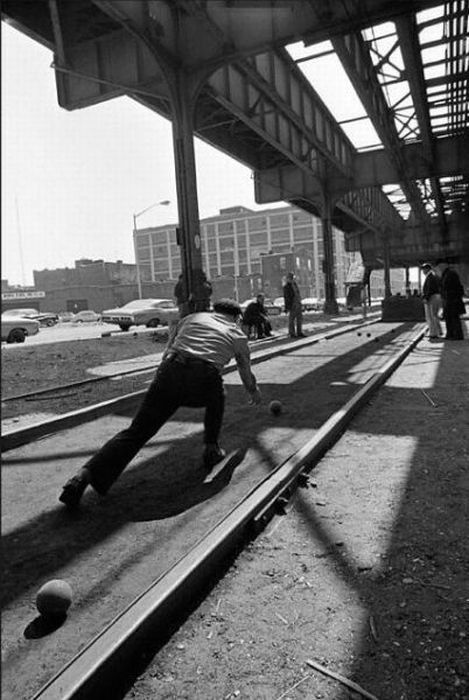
[(257, 224), (259, 239), (280, 236), (279, 221), (226, 227)]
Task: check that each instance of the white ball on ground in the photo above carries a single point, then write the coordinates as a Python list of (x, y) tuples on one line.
[(54, 598)]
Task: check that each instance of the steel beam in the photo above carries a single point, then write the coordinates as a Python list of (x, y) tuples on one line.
[(355, 57), (410, 49), (449, 157)]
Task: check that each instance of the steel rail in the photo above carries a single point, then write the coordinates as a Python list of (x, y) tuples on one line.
[(107, 659), (11, 439)]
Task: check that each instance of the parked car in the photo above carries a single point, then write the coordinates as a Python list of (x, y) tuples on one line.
[(280, 302), (86, 316), (311, 304), (142, 312), (271, 308), (15, 329), (45, 318), (65, 316)]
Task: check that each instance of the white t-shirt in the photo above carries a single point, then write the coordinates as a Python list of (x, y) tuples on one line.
[(213, 337)]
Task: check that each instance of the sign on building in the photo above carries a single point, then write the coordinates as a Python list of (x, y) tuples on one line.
[(10, 296)]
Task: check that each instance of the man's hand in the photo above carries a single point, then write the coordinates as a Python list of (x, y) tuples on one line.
[(255, 397)]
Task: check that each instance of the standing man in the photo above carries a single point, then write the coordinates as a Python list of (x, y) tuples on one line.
[(452, 293), (431, 301), (189, 375), (292, 298), (180, 294), (205, 291)]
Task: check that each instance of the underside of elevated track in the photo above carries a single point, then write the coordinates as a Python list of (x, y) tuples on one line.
[(235, 74)]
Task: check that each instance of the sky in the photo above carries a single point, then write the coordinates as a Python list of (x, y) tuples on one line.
[(71, 181)]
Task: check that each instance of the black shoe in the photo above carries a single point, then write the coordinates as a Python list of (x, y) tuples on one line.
[(213, 454), (73, 491), (301, 335)]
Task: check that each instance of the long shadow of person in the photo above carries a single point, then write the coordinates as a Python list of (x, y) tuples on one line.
[(172, 497)]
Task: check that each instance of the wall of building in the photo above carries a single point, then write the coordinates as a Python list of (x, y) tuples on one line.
[(86, 273), (234, 242)]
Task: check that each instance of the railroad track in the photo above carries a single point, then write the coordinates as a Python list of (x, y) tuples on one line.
[(104, 662)]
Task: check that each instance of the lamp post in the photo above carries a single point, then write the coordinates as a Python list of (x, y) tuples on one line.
[(163, 203)]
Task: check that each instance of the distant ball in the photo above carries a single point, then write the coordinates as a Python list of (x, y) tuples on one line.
[(275, 407), (368, 335), (358, 333), (54, 598)]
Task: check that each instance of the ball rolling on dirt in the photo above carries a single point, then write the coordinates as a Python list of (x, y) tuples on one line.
[(275, 407), (54, 598)]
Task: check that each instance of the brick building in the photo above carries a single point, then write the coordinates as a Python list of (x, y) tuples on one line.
[(90, 284)]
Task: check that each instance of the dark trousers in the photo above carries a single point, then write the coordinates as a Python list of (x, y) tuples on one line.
[(178, 382), (451, 313), (262, 326)]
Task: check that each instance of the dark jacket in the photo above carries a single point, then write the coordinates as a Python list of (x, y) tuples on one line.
[(255, 312), (179, 293), (290, 292), (452, 290), (431, 286)]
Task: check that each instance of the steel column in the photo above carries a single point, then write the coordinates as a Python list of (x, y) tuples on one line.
[(186, 184), (330, 303)]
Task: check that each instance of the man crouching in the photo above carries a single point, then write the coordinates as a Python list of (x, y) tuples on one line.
[(189, 375)]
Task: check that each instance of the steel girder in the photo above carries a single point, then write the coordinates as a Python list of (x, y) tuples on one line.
[(356, 59), (409, 45)]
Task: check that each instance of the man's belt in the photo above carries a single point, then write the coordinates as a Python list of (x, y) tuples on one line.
[(175, 356)]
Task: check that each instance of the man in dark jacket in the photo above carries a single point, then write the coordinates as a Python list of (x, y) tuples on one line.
[(180, 294), (431, 301), (256, 316), (452, 293), (189, 375), (292, 298)]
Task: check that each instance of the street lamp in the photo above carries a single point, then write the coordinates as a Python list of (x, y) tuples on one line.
[(163, 203)]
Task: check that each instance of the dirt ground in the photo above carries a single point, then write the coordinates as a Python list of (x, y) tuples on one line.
[(27, 369), (367, 574)]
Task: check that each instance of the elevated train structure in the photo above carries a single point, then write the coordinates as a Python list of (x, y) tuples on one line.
[(220, 70)]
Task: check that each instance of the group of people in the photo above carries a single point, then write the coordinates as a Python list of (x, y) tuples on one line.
[(256, 318), (189, 374), (442, 292)]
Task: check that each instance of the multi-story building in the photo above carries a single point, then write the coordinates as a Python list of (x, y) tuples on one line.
[(233, 242)]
